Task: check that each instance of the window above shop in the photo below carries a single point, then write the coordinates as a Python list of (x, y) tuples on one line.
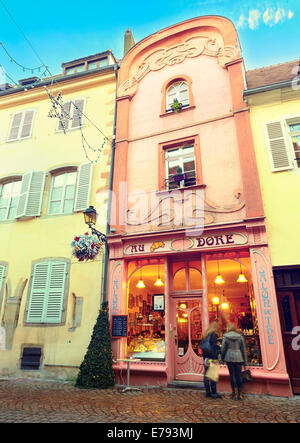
[(180, 167)]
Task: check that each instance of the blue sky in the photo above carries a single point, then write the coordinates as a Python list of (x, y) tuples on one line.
[(62, 30)]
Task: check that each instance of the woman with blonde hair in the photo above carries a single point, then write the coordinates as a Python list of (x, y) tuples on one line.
[(233, 352), (210, 350)]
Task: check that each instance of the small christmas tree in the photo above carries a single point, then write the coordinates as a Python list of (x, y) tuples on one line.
[(96, 370)]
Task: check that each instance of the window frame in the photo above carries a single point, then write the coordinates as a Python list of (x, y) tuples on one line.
[(2, 184), (57, 173), (21, 125), (167, 84), (166, 146)]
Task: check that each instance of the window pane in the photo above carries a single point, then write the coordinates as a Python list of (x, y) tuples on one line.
[(188, 164), (70, 71), (56, 194), (295, 127), (58, 180), (17, 187), (71, 178), (103, 62), (13, 208), (70, 191), (54, 207), (7, 188), (2, 213), (172, 153), (68, 206), (80, 68), (188, 150), (92, 65), (179, 280)]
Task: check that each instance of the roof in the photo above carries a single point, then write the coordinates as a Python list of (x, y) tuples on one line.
[(274, 74)]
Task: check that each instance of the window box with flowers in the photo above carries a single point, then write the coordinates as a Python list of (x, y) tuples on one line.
[(86, 247)]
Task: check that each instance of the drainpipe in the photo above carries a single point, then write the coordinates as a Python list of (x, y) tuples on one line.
[(110, 187)]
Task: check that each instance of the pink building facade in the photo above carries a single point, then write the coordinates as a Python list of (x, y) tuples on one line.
[(187, 208)]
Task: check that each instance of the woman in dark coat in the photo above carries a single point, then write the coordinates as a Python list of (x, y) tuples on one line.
[(211, 334), (233, 352)]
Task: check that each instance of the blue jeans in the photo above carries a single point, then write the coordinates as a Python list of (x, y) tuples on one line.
[(235, 371), (210, 386)]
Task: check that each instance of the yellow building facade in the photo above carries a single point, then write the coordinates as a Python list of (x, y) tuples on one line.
[(273, 95), (51, 170)]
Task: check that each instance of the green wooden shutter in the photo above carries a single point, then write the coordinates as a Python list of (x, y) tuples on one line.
[(47, 292), (82, 194), (27, 124), (30, 200), (278, 146), (15, 126), (56, 290), (63, 125), (77, 114), (38, 293)]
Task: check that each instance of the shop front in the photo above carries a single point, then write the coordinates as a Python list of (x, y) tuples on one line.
[(171, 287)]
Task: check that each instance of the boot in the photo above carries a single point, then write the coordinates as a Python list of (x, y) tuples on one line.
[(240, 395), (234, 394)]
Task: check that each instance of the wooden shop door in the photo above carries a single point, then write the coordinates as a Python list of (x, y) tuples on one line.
[(289, 311), (187, 332)]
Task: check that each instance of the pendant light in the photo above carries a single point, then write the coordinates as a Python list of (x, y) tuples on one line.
[(219, 278), (159, 281), (140, 284), (241, 278)]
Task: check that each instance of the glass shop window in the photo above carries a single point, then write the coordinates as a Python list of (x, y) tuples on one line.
[(146, 311), (231, 300), (187, 276)]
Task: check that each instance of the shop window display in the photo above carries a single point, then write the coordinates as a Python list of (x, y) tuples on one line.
[(232, 301), (146, 312)]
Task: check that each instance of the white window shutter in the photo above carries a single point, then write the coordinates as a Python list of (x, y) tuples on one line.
[(65, 121), (278, 146), (27, 124), (82, 195), (30, 200), (15, 126), (34, 201), (38, 292), (21, 209), (56, 290), (77, 113)]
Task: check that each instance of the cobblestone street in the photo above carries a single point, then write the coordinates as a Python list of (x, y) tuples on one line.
[(37, 401)]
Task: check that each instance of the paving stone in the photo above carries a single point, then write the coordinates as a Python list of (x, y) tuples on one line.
[(41, 401)]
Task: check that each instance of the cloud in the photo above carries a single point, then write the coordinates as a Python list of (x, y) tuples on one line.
[(253, 19), (269, 16)]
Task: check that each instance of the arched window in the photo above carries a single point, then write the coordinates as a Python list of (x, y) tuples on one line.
[(9, 198), (179, 90)]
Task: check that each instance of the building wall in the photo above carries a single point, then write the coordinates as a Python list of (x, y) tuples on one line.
[(279, 189), (25, 241)]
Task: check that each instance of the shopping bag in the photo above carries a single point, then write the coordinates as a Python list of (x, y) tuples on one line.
[(213, 372)]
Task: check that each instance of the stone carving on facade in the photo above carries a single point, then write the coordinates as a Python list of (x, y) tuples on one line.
[(191, 47), (171, 209)]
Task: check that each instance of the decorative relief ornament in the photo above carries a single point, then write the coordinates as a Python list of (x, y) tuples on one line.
[(191, 47)]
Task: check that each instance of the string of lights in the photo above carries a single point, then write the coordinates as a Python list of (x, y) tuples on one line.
[(38, 68)]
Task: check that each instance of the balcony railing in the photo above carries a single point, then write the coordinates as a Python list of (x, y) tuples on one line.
[(177, 181)]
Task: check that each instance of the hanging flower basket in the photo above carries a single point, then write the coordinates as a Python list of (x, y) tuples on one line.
[(85, 247), (176, 106)]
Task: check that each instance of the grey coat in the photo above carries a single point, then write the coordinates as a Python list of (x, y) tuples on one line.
[(233, 348)]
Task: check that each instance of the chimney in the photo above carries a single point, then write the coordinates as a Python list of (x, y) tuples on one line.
[(128, 41)]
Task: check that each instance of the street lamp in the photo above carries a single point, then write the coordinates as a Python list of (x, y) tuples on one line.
[(90, 218)]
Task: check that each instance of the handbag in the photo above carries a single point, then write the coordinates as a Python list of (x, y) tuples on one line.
[(213, 372), (246, 375)]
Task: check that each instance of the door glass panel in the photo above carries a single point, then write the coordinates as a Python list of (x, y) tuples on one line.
[(189, 330), (182, 332), (196, 329)]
